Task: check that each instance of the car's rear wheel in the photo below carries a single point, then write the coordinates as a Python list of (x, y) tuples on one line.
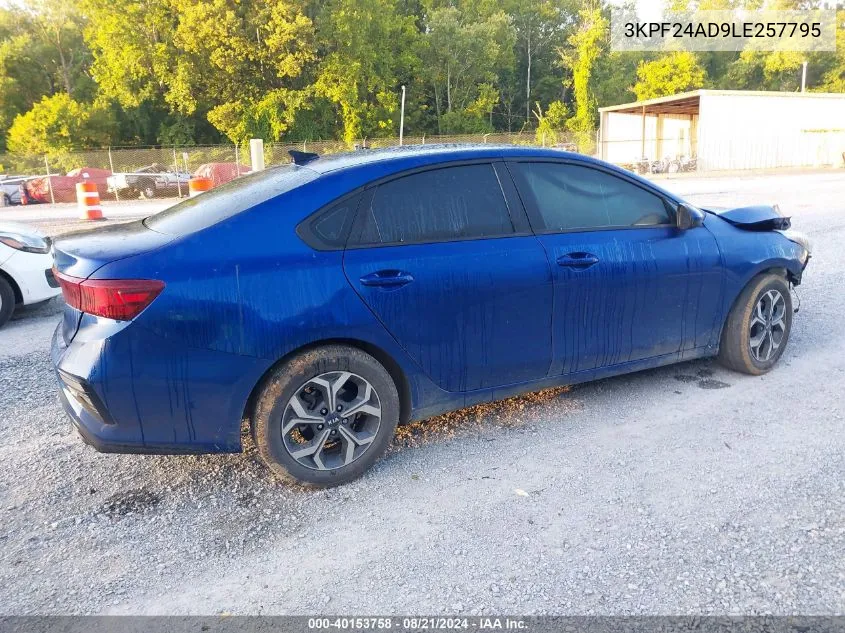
[(148, 192), (325, 416), (758, 326), (5, 200), (7, 301)]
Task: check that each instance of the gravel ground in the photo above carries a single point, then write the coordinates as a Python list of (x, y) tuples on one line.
[(683, 490)]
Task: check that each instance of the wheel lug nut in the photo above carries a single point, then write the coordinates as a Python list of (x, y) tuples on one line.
[(319, 427), (340, 407), (334, 432), (323, 411), (346, 420)]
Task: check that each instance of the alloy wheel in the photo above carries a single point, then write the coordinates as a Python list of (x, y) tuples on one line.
[(331, 420), (768, 325)]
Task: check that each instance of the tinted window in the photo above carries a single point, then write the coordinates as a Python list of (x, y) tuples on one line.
[(230, 199), (443, 204), (329, 228), (571, 197)]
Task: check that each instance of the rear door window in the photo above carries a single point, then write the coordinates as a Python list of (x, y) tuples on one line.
[(451, 203)]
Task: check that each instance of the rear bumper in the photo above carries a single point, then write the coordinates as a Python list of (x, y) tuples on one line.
[(133, 392), (91, 431), (85, 408)]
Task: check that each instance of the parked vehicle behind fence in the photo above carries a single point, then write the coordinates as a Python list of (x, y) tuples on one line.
[(220, 173), (10, 190), (152, 181), (327, 301), (38, 190)]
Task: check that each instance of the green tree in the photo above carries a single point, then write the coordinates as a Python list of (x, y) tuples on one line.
[(239, 61), (613, 74), (833, 79), (586, 46), (551, 123), (368, 50), (540, 27), (131, 65), (133, 68), (459, 57), (56, 27), (667, 75), (234, 63), (41, 53), (57, 125)]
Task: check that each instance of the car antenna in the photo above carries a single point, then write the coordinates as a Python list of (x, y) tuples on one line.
[(302, 158)]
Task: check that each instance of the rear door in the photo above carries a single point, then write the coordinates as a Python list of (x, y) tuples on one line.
[(629, 285), (454, 274)]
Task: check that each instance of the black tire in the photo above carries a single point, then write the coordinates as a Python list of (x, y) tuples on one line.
[(7, 301), (148, 191), (7, 201), (293, 377), (736, 351)]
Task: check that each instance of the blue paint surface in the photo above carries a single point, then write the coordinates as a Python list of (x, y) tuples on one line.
[(479, 320)]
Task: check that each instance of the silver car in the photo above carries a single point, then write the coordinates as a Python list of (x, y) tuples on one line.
[(10, 190)]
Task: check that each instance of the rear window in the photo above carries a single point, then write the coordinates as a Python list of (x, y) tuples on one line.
[(230, 199)]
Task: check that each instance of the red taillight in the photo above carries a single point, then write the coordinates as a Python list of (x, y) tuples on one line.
[(121, 299)]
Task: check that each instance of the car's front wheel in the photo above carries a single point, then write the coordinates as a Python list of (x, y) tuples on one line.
[(758, 326), (325, 416), (7, 301)]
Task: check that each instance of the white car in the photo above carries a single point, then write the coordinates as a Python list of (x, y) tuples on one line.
[(26, 268)]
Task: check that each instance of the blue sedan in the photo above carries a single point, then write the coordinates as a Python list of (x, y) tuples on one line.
[(324, 302)]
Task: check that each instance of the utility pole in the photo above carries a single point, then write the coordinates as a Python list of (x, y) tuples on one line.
[(402, 118)]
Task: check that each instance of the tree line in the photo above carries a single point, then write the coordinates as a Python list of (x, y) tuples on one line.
[(174, 72)]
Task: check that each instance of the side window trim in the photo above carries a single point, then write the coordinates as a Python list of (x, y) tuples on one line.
[(360, 220), (352, 242), (516, 208), (305, 229), (536, 220)]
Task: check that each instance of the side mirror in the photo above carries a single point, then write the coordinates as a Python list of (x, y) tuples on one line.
[(687, 217)]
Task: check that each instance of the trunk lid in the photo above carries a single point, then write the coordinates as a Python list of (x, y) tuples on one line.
[(83, 253)]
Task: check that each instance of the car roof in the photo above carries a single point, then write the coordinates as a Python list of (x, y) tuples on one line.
[(367, 164), (430, 154)]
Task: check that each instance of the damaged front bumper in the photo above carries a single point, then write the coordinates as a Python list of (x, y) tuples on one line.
[(803, 241)]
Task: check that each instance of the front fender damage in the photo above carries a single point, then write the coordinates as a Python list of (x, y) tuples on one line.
[(755, 218)]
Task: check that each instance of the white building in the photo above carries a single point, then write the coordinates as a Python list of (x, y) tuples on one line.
[(728, 129)]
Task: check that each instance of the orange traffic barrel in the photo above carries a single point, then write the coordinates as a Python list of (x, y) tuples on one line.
[(88, 199), (198, 185)]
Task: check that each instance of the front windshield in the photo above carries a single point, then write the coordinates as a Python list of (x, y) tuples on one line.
[(230, 199)]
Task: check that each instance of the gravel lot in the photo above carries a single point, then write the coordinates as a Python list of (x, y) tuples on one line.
[(683, 490)]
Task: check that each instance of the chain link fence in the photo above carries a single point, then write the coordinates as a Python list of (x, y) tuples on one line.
[(129, 173)]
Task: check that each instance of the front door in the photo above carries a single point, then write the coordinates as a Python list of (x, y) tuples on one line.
[(436, 258), (629, 285)]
